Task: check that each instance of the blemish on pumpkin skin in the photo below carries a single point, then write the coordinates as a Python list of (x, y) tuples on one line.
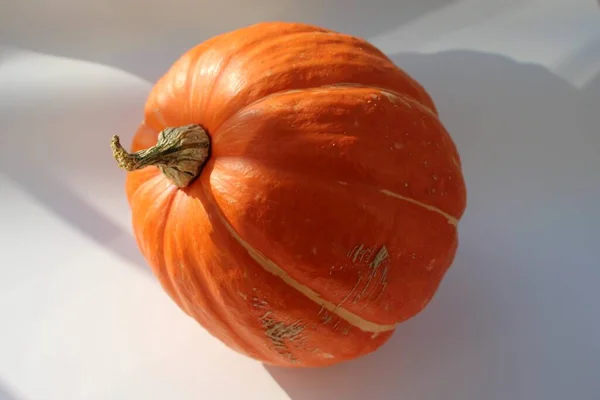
[(380, 257), (257, 303), (359, 253), (351, 292), (281, 335), (353, 254), (326, 318), (243, 295), (318, 351), (429, 266), (377, 261), (269, 266), (382, 286)]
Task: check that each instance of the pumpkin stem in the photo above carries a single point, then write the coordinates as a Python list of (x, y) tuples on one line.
[(180, 154)]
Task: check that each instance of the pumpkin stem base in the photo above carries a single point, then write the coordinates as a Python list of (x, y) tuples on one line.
[(180, 154)]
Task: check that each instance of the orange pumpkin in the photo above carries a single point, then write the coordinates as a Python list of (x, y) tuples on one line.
[(294, 192)]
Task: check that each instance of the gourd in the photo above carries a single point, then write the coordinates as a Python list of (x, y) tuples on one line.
[(294, 192)]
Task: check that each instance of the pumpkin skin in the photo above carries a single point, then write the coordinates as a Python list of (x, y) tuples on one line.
[(327, 211)]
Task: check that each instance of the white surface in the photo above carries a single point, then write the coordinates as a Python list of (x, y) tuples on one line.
[(517, 316)]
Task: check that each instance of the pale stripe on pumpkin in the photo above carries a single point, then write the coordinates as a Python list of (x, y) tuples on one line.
[(451, 220), (271, 267)]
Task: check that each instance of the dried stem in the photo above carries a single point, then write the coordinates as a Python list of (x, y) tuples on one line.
[(180, 154)]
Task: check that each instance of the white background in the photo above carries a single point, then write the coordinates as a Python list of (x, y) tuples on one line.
[(517, 83)]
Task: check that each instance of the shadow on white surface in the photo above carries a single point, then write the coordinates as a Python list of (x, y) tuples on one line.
[(516, 316), (583, 64), (5, 54), (8, 394), (58, 198), (589, 107), (134, 35), (56, 125)]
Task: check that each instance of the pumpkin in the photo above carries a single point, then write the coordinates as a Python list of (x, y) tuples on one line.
[(294, 192)]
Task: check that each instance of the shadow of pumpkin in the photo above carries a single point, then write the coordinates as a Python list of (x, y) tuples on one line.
[(514, 315)]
